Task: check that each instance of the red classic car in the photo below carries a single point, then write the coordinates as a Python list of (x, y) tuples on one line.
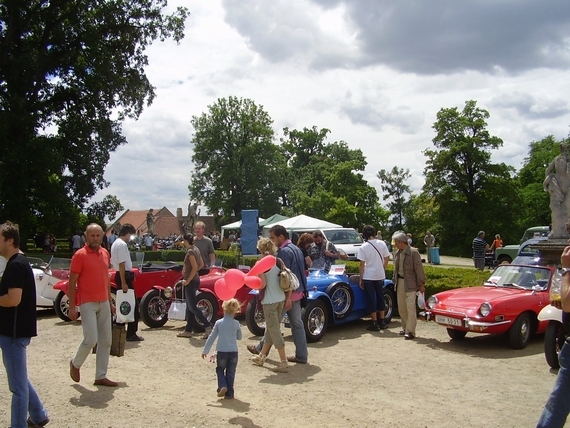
[(508, 302), (147, 276), (156, 302)]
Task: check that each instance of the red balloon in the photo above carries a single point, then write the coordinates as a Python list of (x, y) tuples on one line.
[(222, 290), (263, 265), (253, 282), (234, 279)]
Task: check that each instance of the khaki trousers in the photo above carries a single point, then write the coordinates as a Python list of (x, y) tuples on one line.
[(407, 307)]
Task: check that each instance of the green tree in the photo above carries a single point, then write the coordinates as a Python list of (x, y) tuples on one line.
[(237, 165), (108, 207), (472, 193), (323, 180), (393, 184), (422, 214), (70, 72), (535, 206)]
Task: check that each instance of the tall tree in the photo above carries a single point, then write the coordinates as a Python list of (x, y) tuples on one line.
[(324, 180), (237, 165), (108, 207), (395, 188), (70, 72), (472, 193), (535, 207)]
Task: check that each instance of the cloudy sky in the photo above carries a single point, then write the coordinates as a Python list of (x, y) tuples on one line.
[(374, 72)]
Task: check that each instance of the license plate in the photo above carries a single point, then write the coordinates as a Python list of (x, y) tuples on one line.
[(448, 320)]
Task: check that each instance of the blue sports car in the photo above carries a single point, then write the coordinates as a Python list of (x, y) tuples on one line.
[(334, 298)]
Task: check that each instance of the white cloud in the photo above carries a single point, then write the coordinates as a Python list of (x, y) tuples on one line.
[(374, 73)]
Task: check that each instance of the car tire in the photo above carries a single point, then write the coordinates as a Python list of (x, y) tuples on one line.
[(154, 309), (456, 334), (504, 258), (315, 318), (254, 318), (520, 332), (389, 302), (208, 304), (61, 306), (342, 299), (554, 339)]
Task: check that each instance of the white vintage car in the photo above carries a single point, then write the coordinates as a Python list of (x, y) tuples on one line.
[(47, 274)]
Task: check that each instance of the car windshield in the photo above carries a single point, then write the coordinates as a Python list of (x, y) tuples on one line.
[(344, 236), (523, 277)]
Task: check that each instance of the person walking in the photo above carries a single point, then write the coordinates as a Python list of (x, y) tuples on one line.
[(373, 256), (480, 246), (124, 276), (89, 275), (18, 324), (191, 281), (409, 278), (429, 241), (557, 407), (228, 332), (273, 302)]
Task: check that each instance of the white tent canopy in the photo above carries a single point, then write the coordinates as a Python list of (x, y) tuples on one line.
[(300, 222), (233, 226)]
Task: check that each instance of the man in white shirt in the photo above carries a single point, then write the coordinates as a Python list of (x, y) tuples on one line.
[(76, 242), (148, 241), (373, 256), (121, 261)]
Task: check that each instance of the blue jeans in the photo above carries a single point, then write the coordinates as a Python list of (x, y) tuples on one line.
[(558, 405), (298, 332), (191, 310), (226, 364), (24, 397)]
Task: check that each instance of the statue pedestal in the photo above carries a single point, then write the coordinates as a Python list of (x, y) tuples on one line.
[(550, 251)]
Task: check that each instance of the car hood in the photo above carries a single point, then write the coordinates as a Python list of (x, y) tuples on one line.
[(471, 298)]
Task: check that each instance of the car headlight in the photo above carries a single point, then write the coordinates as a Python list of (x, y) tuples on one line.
[(39, 276), (167, 292), (485, 309), (431, 302)]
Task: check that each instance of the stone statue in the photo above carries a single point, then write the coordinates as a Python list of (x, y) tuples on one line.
[(557, 184), (150, 222), (192, 216)]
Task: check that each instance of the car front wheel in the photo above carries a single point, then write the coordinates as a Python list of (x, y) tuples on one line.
[(61, 306), (389, 303), (154, 309), (208, 304), (554, 339), (456, 334), (520, 332)]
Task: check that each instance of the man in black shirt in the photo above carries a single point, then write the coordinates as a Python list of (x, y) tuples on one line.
[(18, 324)]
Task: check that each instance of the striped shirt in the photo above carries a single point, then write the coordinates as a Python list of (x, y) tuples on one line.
[(479, 246)]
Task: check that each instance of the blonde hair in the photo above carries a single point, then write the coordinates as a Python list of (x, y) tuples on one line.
[(231, 306), (265, 246)]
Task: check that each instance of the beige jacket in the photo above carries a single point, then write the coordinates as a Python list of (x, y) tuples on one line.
[(413, 272)]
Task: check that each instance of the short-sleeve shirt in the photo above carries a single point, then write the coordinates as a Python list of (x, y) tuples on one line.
[(120, 254), (373, 253), (192, 252), (317, 254), (206, 248), (479, 246), (21, 320), (93, 270)]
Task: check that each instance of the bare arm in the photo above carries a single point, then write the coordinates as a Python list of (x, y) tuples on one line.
[(193, 269), (12, 299)]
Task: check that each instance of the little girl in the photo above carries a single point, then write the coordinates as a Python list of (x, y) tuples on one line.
[(229, 331)]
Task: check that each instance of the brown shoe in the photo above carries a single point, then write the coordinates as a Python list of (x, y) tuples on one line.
[(74, 372), (105, 382), (252, 349)]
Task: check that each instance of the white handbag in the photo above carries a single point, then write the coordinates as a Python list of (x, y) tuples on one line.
[(421, 300), (177, 310), (125, 306)]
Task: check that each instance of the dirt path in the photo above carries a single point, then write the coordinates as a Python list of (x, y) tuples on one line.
[(354, 379)]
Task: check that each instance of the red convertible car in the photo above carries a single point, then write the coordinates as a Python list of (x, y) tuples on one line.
[(508, 302)]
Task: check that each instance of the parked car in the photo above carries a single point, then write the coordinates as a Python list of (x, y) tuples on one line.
[(147, 276), (46, 275), (527, 255), (346, 240), (156, 301), (509, 252), (508, 302), (334, 298)]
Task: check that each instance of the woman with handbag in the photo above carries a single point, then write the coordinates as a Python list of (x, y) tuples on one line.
[(191, 281), (273, 304)]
